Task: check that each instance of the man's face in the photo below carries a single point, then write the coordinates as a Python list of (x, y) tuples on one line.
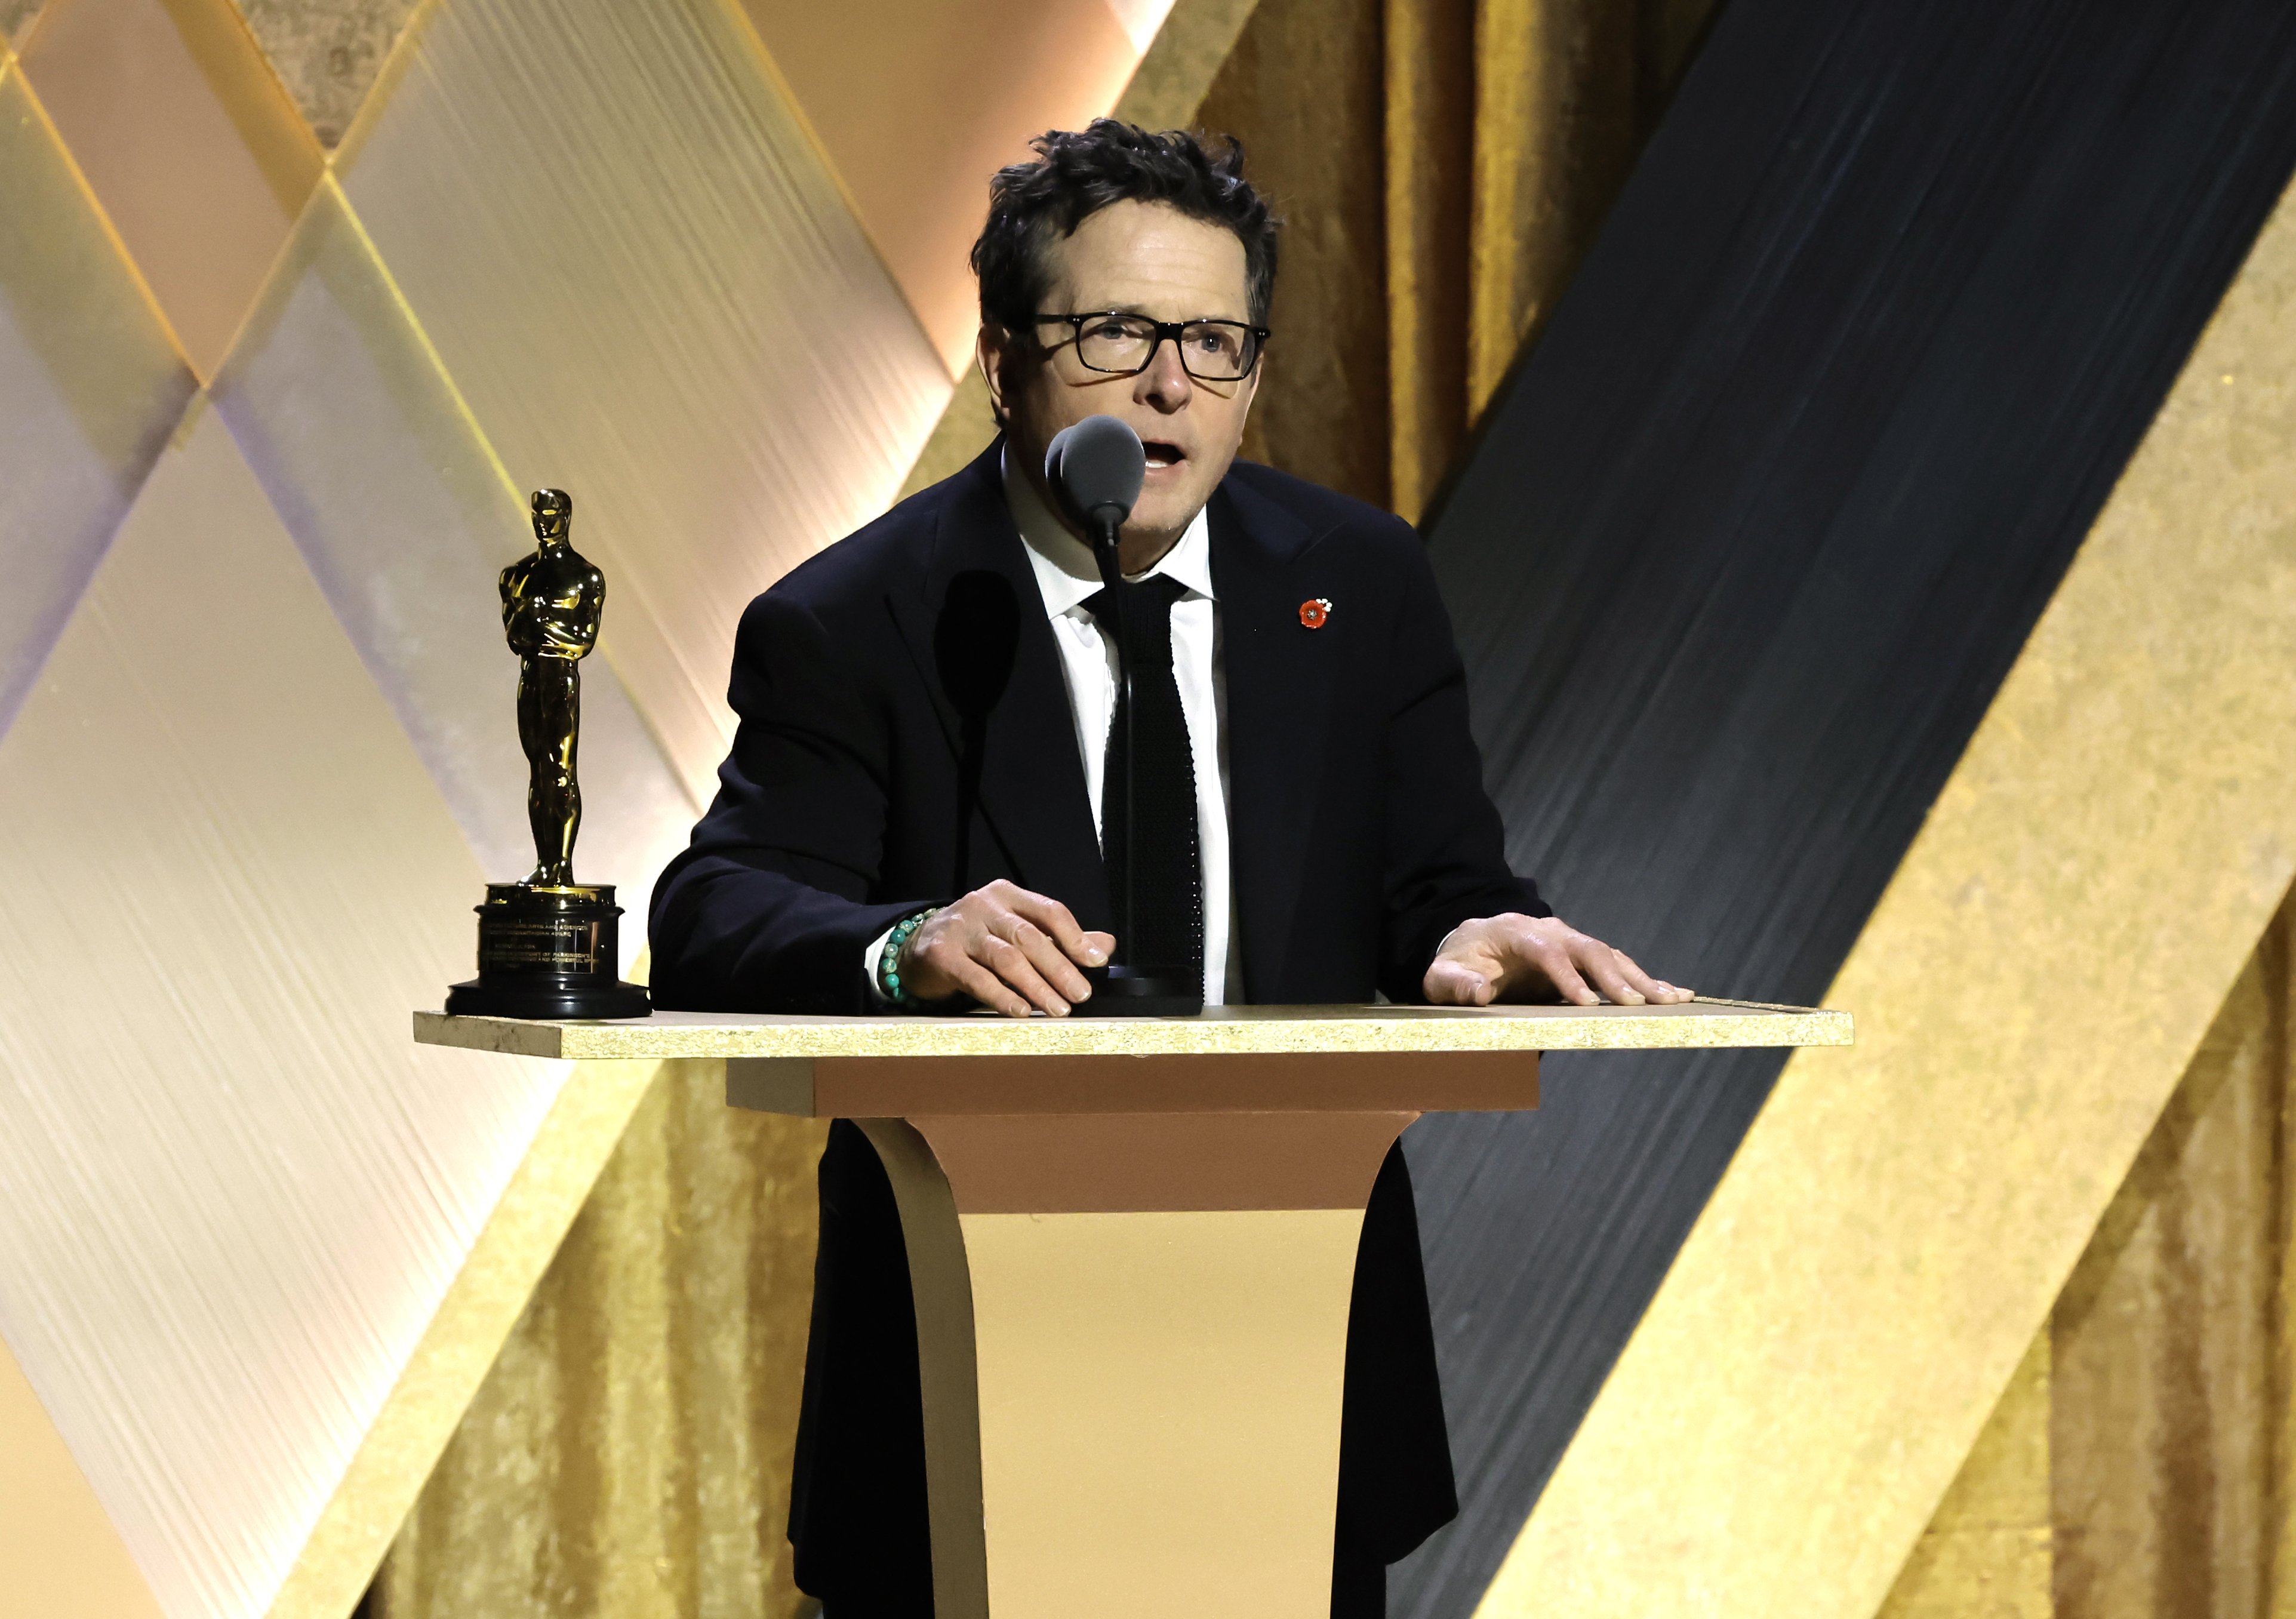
[(1140, 258)]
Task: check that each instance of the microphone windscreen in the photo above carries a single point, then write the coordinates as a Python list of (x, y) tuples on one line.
[(1097, 463)]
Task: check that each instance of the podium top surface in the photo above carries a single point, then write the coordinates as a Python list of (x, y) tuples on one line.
[(1217, 1030)]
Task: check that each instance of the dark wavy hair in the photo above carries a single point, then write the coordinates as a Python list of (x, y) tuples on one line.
[(1078, 172)]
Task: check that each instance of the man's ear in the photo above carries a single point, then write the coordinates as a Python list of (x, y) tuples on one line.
[(991, 350)]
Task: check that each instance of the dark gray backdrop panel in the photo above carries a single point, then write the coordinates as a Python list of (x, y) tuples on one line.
[(1748, 547)]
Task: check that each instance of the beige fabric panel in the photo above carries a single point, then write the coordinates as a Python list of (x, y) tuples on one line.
[(644, 279), (187, 139), (91, 386), (458, 1351), (231, 1191), (918, 103), (1894, 1230), (647, 273), (405, 517), (58, 1553)]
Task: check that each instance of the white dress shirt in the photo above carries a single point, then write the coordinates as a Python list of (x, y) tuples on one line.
[(1066, 576)]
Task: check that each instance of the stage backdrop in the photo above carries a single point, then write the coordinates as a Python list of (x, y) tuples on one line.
[(297, 301)]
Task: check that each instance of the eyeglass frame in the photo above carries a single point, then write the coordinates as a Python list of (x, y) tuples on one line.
[(1164, 329)]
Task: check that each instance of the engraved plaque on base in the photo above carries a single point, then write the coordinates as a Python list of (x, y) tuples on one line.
[(547, 952)]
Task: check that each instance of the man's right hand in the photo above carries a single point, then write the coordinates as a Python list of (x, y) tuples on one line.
[(1012, 952)]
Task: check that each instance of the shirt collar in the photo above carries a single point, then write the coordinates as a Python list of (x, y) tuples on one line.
[(1066, 573)]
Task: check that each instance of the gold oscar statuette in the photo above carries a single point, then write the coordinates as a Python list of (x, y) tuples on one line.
[(547, 946)]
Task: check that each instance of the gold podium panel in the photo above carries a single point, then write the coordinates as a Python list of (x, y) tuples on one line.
[(1132, 1243)]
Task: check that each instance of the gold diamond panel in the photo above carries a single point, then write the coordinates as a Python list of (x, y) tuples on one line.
[(90, 387), (188, 142), (233, 1194), (404, 517), (256, 1253), (922, 196), (645, 283)]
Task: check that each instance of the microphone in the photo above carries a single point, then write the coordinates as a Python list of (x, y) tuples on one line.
[(1096, 467)]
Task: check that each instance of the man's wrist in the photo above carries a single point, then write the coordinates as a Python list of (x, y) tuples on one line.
[(886, 980)]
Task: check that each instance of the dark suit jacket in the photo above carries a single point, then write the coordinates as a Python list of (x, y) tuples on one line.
[(906, 736)]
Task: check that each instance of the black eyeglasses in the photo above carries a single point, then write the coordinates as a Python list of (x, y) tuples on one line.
[(1118, 344)]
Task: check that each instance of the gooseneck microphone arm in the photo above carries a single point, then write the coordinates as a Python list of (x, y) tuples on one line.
[(1096, 467), (1106, 520)]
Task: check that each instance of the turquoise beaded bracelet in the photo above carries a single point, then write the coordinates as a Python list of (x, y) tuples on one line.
[(888, 962)]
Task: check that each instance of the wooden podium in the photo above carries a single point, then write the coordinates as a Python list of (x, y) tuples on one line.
[(1132, 1242)]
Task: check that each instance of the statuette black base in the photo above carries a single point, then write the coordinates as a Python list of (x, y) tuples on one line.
[(548, 952), (1123, 991)]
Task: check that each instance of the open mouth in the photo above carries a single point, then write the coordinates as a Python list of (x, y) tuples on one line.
[(1161, 455)]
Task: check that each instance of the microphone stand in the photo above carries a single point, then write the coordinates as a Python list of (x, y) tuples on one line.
[(1134, 989), (1105, 521)]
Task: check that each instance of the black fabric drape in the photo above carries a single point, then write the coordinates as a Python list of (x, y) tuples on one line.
[(1747, 546)]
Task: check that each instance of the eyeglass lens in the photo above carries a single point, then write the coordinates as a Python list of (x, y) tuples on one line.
[(1212, 351)]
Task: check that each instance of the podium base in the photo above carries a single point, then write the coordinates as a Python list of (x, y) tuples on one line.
[(548, 953), (1123, 991)]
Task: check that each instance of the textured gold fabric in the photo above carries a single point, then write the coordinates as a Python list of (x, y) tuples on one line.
[(2139, 1464), (1431, 155), (1566, 92), (1443, 166), (326, 53), (1303, 90), (1181, 62), (629, 1454), (2170, 1432), (1986, 1553)]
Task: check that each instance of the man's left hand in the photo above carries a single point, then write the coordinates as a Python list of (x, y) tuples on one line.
[(1519, 957)]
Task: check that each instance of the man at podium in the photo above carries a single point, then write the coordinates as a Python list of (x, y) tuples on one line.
[(912, 819)]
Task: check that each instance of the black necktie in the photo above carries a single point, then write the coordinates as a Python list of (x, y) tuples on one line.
[(1167, 894)]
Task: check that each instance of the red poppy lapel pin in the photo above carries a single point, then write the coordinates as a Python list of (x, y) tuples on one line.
[(1314, 614)]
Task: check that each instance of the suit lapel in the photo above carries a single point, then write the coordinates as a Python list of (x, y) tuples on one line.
[(1280, 678), (1032, 785)]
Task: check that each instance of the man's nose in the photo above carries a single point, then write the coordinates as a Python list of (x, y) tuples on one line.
[(1166, 384)]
